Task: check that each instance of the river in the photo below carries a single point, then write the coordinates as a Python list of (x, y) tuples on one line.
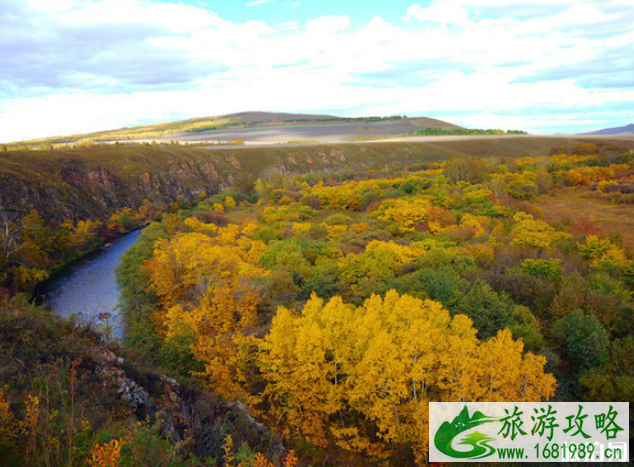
[(88, 288)]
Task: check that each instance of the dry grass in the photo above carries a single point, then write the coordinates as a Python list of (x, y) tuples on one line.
[(588, 213)]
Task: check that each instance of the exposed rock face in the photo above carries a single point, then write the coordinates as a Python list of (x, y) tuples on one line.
[(208, 169), (76, 189), (178, 410), (234, 162), (103, 179), (77, 184), (109, 371), (338, 154)]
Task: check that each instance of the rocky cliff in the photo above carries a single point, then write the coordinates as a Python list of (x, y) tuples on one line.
[(91, 182)]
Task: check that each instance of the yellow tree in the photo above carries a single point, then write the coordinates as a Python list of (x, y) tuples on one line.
[(530, 233), (361, 378), (305, 352), (205, 286)]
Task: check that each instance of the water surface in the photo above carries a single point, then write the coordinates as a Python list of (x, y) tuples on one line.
[(87, 287)]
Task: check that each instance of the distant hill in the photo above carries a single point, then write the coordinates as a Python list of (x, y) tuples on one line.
[(216, 128), (614, 131)]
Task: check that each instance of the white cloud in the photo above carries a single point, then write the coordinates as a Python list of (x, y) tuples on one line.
[(259, 2), (440, 11), (328, 24), (178, 18), (52, 6), (289, 26), (495, 65)]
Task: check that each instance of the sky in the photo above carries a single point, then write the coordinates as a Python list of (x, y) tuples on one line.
[(543, 66)]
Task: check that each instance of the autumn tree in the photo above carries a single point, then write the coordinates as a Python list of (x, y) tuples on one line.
[(208, 298), (529, 233), (463, 169), (417, 212), (361, 378), (37, 240)]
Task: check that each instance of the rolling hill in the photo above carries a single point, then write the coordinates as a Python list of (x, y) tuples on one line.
[(628, 129), (258, 127)]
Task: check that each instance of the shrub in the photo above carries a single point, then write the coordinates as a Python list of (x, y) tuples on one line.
[(211, 217)]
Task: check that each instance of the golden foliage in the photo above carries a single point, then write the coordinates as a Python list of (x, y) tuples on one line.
[(404, 254), (474, 222), (7, 420), (481, 252), (362, 377), (205, 286), (335, 231), (196, 225), (301, 228), (106, 455), (589, 175), (412, 213), (28, 426), (531, 233)]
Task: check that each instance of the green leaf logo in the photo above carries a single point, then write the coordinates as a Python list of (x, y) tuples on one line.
[(478, 441)]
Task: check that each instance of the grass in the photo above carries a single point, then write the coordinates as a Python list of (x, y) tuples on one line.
[(60, 363), (533, 146), (588, 213), (218, 126)]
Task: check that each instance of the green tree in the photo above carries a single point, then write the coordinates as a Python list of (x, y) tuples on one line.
[(613, 381), (583, 340), (490, 311)]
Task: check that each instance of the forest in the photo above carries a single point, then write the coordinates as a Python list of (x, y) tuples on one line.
[(335, 306)]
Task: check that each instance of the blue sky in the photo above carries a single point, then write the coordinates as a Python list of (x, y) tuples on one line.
[(545, 66)]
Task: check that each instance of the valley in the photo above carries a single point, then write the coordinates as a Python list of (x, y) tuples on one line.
[(518, 240)]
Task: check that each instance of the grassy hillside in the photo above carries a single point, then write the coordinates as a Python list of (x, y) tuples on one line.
[(240, 121), (628, 129), (65, 397)]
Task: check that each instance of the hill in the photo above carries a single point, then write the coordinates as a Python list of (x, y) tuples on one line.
[(628, 129), (77, 393), (257, 127)]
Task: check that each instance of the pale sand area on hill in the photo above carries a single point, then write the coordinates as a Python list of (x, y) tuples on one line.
[(322, 133)]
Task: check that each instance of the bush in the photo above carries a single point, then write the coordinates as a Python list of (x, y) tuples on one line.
[(441, 285), (338, 219), (212, 217), (268, 235)]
